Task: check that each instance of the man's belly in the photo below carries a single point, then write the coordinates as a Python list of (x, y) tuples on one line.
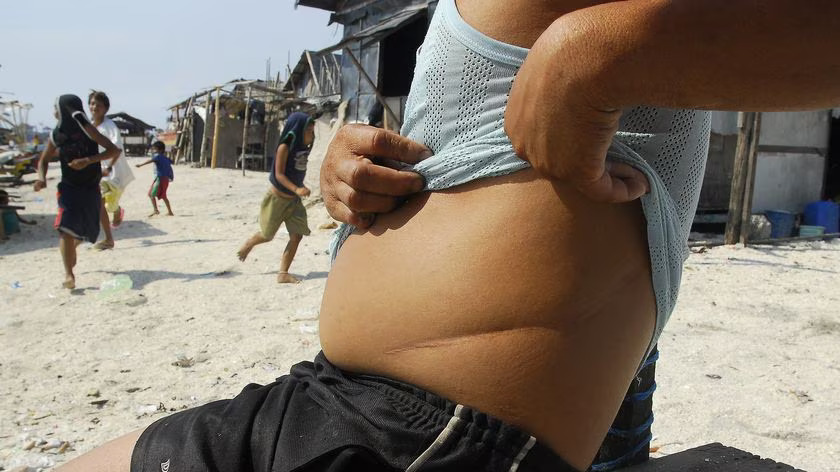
[(512, 295)]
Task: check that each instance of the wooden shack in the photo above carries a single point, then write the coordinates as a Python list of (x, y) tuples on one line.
[(315, 77), (135, 133), (797, 161), (246, 129), (378, 52)]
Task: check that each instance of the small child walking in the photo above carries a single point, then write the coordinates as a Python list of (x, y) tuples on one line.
[(163, 175)]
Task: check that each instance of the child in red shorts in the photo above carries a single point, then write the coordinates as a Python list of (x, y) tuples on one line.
[(163, 175)]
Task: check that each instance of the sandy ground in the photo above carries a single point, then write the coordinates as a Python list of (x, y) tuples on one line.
[(751, 357)]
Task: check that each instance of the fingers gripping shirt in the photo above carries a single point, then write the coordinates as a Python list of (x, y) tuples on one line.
[(456, 107)]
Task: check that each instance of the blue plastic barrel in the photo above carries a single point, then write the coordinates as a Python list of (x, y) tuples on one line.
[(781, 222), (825, 214)]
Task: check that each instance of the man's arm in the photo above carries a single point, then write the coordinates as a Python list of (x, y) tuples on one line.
[(110, 152), (712, 54), (23, 220), (50, 151)]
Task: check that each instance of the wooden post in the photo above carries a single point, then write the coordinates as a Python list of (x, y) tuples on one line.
[(739, 179), (179, 138), (269, 120), (749, 187), (204, 136), (188, 127), (183, 138), (312, 73), (213, 158), (190, 148), (188, 151), (336, 76), (177, 124), (363, 74), (245, 124)]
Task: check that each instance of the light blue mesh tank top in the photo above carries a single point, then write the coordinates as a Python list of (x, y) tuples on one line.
[(456, 108)]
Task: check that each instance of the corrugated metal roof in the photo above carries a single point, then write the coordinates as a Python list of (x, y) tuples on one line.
[(329, 5), (380, 30), (125, 117), (348, 11)]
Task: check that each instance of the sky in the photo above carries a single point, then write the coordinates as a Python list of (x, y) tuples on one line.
[(147, 55)]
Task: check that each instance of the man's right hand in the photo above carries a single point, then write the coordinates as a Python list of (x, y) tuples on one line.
[(302, 192), (354, 188), (39, 184)]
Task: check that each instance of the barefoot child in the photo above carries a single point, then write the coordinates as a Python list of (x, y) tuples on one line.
[(116, 173), (75, 141), (281, 203), (163, 175)]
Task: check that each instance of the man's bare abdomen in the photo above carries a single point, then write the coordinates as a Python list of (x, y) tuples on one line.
[(512, 295)]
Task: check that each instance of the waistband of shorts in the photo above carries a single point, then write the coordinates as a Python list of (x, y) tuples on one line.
[(286, 197), (525, 452)]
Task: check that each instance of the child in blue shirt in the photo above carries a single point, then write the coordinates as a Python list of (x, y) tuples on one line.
[(163, 175)]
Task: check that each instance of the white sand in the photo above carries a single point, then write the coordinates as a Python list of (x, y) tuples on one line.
[(764, 320), (767, 322)]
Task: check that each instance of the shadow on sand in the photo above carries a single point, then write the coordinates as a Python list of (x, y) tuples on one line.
[(739, 261), (43, 235), (141, 278), (312, 275)]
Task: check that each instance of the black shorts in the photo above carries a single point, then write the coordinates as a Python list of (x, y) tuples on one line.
[(319, 418)]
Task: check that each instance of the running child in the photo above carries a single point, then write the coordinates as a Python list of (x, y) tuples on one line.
[(163, 175), (75, 142), (281, 203), (116, 173)]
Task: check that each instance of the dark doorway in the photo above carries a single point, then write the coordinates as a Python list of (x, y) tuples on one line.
[(398, 57)]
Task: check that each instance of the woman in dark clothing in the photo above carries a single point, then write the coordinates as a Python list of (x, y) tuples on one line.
[(74, 141)]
